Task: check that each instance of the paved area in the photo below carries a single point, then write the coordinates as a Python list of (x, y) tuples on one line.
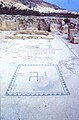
[(39, 78)]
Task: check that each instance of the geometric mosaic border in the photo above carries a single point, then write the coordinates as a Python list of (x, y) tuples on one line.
[(64, 86)]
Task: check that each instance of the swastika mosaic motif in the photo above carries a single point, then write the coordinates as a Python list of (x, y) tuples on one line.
[(37, 80)]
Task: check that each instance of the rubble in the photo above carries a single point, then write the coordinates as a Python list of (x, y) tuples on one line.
[(66, 26), (70, 27)]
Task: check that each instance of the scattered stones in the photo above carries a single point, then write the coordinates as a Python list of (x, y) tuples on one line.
[(36, 28), (70, 27)]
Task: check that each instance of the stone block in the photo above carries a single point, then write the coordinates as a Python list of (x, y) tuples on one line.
[(73, 31), (65, 29)]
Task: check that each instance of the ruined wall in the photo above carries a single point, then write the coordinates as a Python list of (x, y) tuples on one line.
[(23, 23), (8, 25), (19, 22)]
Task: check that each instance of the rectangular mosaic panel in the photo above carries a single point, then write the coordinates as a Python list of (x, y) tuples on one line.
[(37, 80)]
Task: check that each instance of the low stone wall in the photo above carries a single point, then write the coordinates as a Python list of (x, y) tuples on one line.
[(30, 34), (8, 25)]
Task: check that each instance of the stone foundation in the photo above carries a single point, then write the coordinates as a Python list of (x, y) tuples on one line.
[(30, 34)]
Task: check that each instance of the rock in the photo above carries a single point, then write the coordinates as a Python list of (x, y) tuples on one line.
[(44, 25)]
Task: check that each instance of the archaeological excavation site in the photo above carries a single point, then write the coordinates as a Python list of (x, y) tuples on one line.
[(39, 61)]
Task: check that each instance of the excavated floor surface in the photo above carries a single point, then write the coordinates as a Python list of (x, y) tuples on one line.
[(39, 78)]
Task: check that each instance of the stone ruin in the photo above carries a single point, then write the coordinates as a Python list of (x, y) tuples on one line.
[(23, 23), (66, 26), (44, 25), (30, 34), (70, 27)]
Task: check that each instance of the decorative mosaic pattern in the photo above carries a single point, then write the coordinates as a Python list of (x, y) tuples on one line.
[(37, 80)]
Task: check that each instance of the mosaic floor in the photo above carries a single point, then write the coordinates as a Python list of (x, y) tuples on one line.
[(39, 79)]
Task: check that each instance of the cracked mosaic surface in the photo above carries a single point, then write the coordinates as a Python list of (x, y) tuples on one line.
[(37, 80)]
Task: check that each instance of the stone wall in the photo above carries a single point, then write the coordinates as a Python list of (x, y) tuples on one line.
[(23, 23), (8, 25), (19, 22)]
